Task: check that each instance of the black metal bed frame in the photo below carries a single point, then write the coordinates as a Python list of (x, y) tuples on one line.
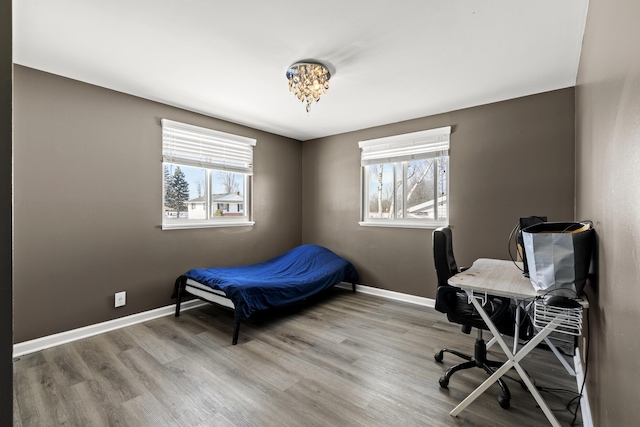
[(180, 290)]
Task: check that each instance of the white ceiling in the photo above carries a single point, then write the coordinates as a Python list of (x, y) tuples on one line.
[(392, 60)]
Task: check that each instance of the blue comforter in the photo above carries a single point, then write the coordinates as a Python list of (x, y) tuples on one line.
[(291, 277)]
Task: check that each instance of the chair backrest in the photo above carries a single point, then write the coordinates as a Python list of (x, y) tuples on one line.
[(443, 255)]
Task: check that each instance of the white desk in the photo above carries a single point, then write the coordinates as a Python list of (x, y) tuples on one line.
[(502, 278)]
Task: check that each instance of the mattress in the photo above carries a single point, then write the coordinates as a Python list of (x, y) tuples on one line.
[(286, 279)]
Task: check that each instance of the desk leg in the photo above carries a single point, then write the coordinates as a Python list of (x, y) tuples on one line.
[(512, 362), (532, 388), (491, 342), (481, 389), (536, 395), (516, 334)]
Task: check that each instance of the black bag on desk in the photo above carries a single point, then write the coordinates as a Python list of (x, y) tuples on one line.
[(524, 223), (559, 255)]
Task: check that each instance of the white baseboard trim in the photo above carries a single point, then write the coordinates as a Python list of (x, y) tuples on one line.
[(412, 299), (26, 347), (587, 421)]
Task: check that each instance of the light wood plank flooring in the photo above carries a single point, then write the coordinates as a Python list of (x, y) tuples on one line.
[(349, 360)]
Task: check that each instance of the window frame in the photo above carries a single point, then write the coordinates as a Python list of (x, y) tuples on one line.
[(399, 150), (214, 160)]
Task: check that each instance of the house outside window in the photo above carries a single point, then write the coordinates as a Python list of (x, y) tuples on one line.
[(205, 173), (405, 180)]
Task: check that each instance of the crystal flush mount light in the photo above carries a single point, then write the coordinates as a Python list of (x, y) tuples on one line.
[(308, 81)]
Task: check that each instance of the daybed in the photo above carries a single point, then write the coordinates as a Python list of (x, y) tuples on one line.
[(284, 280)]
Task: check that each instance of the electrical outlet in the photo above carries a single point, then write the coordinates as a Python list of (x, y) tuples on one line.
[(121, 298)]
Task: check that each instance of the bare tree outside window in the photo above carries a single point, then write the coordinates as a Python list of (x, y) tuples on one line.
[(409, 189), (380, 190), (228, 181), (419, 176), (200, 187)]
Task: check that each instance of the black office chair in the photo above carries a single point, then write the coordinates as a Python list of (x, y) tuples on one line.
[(454, 303)]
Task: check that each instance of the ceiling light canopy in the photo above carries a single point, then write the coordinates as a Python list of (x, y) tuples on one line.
[(308, 81)]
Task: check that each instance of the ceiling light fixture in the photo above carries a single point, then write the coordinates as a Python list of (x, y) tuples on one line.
[(308, 81)]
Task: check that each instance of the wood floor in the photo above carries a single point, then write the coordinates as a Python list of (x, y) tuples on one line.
[(348, 360)]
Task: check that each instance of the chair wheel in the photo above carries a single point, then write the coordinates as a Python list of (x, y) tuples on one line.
[(438, 356), (444, 382), (504, 402)]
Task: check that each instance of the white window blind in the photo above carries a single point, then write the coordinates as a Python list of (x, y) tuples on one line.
[(417, 145), (205, 148)]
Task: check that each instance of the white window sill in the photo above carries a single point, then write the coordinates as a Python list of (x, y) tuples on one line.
[(395, 223), (206, 224)]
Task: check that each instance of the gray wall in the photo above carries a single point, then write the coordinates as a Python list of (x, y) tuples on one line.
[(88, 198), (6, 318), (608, 192), (507, 160)]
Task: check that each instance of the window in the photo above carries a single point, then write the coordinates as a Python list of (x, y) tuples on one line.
[(405, 179), (204, 172)]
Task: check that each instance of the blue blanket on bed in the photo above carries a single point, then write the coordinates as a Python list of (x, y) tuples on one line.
[(291, 277)]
